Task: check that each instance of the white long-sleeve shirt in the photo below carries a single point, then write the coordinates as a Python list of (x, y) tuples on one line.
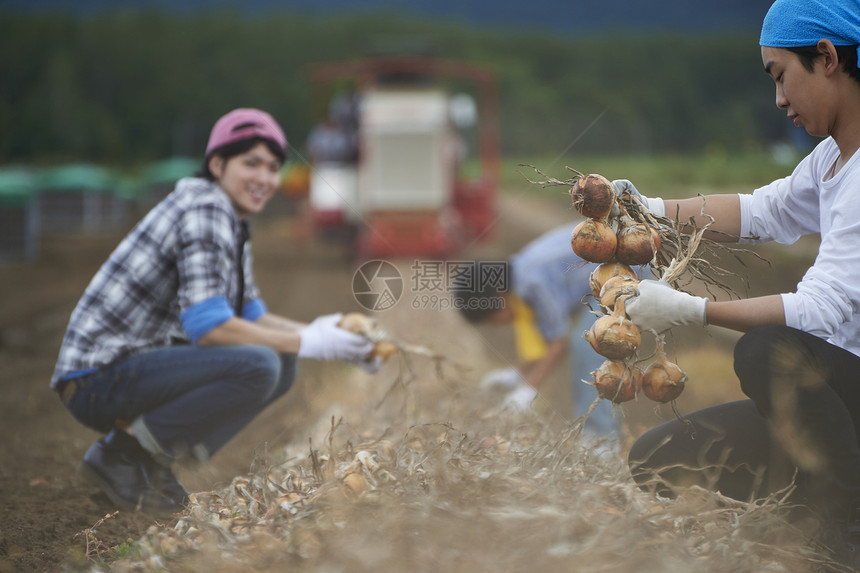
[(828, 297)]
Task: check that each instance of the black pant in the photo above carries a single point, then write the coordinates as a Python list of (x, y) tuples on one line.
[(800, 424)]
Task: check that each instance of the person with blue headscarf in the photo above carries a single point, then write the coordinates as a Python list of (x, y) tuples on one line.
[(798, 361)]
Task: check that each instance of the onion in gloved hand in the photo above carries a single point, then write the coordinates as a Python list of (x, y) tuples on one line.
[(367, 327), (323, 339)]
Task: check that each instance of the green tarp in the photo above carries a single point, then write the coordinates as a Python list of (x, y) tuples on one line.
[(169, 170), (77, 177), (17, 185)]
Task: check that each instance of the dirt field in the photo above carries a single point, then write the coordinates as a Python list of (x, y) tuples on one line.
[(45, 506)]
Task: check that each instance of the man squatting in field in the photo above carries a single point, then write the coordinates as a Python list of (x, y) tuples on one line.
[(547, 284), (171, 350), (798, 360)]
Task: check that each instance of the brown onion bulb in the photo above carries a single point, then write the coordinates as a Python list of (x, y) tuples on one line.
[(593, 196), (637, 244), (606, 271), (621, 285), (357, 323), (617, 382), (663, 381), (384, 349), (594, 241), (366, 326), (614, 336)]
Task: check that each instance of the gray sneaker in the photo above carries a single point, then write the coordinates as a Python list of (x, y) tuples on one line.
[(117, 471)]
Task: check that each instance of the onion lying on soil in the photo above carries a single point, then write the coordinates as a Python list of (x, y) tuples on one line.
[(614, 336), (594, 240), (616, 381), (606, 271), (593, 196), (663, 381)]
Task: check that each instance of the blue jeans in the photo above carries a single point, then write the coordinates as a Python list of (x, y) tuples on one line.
[(183, 400), (583, 361)]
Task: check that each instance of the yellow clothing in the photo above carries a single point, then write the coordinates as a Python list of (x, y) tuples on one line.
[(530, 343)]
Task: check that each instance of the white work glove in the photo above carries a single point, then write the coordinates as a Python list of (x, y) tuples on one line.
[(654, 204), (520, 400), (507, 378), (659, 307), (323, 339)]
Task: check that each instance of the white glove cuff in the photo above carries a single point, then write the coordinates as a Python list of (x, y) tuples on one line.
[(700, 317), (656, 206), (690, 310), (310, 343)]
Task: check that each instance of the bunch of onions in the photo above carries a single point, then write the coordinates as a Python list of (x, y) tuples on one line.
[(606, 271), (617, 242), (637, 243), (594, 240), (366, 326), (663, 381), (593, 196), (614, 336), (616, 287), (616, 381)]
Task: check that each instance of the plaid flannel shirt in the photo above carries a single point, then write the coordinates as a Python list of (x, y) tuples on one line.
[(182, 257)]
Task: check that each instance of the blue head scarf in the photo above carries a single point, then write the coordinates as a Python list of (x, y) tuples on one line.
[(796, 23)]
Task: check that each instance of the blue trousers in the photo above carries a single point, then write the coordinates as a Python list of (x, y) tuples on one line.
[(183, 400)]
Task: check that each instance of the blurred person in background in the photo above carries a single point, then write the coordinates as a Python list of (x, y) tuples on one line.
[(799, 357), (546, 307), (330, 142), (335, 139), (171, 351)]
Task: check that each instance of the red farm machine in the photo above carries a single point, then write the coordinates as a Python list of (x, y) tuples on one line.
[(407, 160)]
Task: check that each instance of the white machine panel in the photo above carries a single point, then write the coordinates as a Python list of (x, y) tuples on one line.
[(406, 154), (334, 187)]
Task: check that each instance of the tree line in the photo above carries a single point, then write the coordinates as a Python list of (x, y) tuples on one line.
[(127, 87)]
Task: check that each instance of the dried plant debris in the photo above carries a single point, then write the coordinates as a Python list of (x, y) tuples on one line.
[(511, 496)]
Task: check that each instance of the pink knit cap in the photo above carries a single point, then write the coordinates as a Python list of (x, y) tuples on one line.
[(244, 123)]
